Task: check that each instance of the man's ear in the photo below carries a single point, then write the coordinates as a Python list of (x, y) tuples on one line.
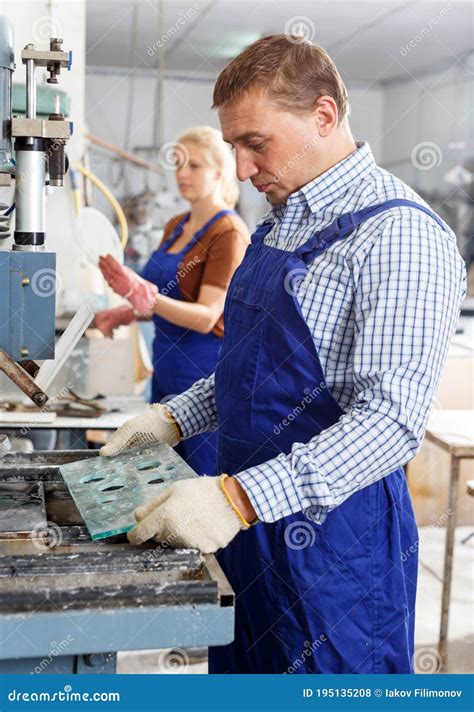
[(326, 115)]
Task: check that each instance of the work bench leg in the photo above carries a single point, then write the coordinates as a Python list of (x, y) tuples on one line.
[(448, 560)]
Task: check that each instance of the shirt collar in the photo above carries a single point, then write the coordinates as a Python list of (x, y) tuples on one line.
[(328, 187)]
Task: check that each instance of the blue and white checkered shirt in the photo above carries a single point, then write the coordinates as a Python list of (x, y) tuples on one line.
[(382, 306)]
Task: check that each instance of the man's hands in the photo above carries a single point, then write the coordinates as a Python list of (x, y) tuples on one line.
[(125, 282), (192, 513), (157, 425), (204, 513)]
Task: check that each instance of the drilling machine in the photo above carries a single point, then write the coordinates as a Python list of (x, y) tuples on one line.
[(32, 154)]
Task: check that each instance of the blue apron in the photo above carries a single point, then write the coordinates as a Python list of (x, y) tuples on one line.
[(182, 356), (332, 598)]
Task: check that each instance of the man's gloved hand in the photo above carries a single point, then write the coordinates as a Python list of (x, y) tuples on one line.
[(157, 425), (109, 319), (192, 513), (124, 281)]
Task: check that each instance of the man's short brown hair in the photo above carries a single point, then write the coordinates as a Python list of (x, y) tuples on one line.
[(292, 71)]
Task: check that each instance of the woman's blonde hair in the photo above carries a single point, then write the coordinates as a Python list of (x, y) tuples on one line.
[(218, 154)]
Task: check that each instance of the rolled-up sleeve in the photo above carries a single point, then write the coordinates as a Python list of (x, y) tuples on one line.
[(195, 409)]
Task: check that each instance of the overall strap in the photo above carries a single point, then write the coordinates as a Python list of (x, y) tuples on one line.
[(176, 232), (261, 231), (197, 235), (346, 223)]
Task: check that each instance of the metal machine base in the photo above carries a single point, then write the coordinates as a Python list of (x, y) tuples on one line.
[(62, 664), (68, 604)]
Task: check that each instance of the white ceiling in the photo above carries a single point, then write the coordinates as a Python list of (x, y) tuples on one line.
[(365, 37)]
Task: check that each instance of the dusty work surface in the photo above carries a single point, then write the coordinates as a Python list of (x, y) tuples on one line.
[(90, 578), (64, 568), (22, 508), (115, 596)]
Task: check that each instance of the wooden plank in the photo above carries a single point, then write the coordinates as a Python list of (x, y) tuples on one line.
[(453, 430)]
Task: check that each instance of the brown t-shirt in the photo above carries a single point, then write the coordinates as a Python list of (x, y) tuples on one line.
[(213, 259)]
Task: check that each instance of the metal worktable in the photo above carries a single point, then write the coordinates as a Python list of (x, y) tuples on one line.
[(68, 604), (72, 429)]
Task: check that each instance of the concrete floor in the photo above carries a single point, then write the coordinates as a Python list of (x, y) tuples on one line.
[(461, 612), (461, 621)]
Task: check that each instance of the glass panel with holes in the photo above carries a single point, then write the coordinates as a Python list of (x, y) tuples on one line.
[(108, 490)]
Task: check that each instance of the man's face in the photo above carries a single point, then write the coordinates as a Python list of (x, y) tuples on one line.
[(276, 149)]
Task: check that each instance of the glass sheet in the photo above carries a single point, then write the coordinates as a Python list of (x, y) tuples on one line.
[(107, 490)]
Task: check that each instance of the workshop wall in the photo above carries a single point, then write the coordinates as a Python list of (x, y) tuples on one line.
[(434, 111), (187, 102)]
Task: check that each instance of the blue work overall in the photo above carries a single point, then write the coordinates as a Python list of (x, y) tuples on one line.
[(181, 356), (336, 597)]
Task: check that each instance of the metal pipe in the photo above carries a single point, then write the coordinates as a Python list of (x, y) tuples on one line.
[(153, 167), (7, 65), (29, 191), (30, 87), (22, 379)]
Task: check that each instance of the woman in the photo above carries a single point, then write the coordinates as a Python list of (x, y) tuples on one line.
[(183, 286)]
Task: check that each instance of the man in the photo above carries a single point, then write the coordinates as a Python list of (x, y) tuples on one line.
[(337, 326)]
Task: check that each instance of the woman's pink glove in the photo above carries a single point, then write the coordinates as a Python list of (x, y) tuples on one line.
[(109, 319), (124, 281)]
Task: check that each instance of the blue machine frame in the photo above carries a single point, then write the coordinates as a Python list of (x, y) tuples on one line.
[(27, 308)]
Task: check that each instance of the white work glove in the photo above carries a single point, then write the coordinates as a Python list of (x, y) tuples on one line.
[(191, 513), (157, 425)]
